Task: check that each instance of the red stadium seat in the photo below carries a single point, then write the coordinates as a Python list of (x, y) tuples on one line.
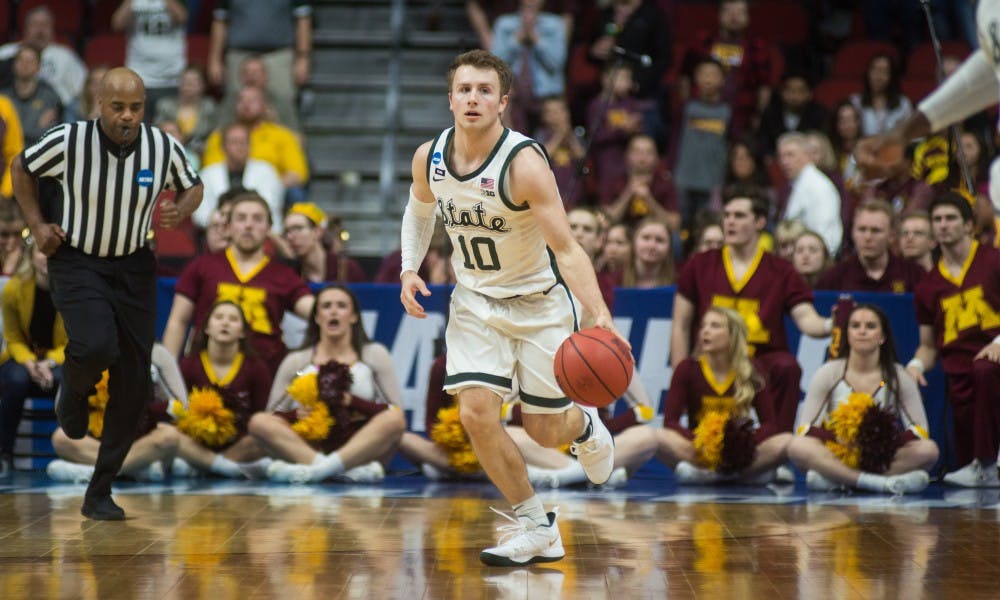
[(197, 49), (781, 22), (105, 48), (831, 91), (6, 12), (67, 14), (694, 18), (851, 60), (100, 15), (923, 64), (918, 89)]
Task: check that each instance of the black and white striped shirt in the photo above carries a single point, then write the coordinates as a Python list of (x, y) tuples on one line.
[(109, 191)]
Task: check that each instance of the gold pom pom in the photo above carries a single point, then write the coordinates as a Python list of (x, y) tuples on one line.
[(709, 436), (206, 419), (98, 404), (315, 426), (449, 434)]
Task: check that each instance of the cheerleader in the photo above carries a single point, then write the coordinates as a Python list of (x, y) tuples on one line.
[(335, 405), (226, 385), (731, 432), (828, 445)]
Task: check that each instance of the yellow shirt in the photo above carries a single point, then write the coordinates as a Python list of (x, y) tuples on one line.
[(17, 302), (269, 142), (11, 144)]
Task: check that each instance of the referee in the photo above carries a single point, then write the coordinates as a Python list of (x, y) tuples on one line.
[(103, 277)]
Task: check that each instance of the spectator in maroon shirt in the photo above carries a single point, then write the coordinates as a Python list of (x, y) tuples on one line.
[(644, 191), (873, 267), (810, 256), (747, 61), (615, 117), (565, 148), (915, 240)]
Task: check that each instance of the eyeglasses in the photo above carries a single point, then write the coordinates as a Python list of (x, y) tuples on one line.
[(297, 229)]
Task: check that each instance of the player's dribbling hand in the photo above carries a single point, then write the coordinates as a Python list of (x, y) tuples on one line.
[(880, 156), (605, 322), (48, 238), (411, 283), (170, 215)]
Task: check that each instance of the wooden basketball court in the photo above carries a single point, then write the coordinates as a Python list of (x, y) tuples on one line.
[(410, 538)]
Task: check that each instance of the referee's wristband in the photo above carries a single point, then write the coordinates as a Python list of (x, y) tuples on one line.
[(917, 364)]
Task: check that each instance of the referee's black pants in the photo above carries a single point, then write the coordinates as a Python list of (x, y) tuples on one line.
[(109, 308)]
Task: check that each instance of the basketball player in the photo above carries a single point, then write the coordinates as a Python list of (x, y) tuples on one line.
[(514, 259), (758, 285), (958, 309)]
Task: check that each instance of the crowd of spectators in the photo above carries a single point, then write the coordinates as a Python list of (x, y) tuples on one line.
[(647, 108), (652, 112)]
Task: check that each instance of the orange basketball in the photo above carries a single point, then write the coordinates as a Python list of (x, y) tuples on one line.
[(593, 367)]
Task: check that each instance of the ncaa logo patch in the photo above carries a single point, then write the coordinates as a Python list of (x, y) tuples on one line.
[(144, 178), (436, 158)]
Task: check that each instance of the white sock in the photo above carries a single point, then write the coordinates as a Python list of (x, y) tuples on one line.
[(327, 465), (225, 467), (532, 510), (871, 482)]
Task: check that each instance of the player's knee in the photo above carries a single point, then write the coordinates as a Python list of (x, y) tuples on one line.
[(478, 417)]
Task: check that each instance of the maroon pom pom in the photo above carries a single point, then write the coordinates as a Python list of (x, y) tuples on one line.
[(738, 445), (878, 438), (334, 378)]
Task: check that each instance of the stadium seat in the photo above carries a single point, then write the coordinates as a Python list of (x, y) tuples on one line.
[(197, 49), (6, 31), (923, 64), (831, 91), (105, 48), (918, 89), (100, 15), (695, 18), (852, 58), (781, 22)]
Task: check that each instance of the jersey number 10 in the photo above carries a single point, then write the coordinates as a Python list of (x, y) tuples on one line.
[(491, 262)]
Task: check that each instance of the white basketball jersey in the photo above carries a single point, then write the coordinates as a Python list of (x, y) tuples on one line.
[(499, 250)]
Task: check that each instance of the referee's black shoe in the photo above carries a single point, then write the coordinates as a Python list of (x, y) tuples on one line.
[(102, 508), (73, 414)]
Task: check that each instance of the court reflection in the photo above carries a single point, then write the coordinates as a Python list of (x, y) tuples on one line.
[(309, 546)]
